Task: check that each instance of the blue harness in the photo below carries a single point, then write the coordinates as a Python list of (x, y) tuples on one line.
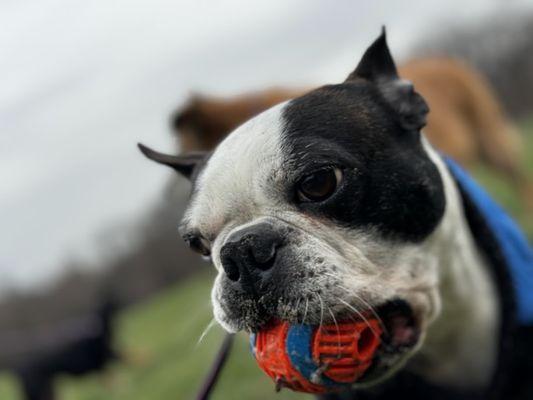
[(513, 244)]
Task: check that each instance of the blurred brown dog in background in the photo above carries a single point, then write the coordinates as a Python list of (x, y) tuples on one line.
[(466, 120)]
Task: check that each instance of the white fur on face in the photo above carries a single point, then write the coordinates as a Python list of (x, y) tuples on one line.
[(443, 278), (234, 184)]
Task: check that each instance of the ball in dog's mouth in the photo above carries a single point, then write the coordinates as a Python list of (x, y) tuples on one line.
[(332, 357)]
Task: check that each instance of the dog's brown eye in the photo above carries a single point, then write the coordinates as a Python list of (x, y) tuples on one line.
[(319, 185), (199, 245)]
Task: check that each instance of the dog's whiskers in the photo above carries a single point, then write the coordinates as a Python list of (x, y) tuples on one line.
[(360, 299), (371, 309), (360, 315), (337, 326), (366, 304), (209, 326), (305, 312), (296, 307), (321, 311)]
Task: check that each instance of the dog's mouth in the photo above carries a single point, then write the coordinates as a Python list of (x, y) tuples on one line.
[(401, 329), (362, 350), (401, 333)]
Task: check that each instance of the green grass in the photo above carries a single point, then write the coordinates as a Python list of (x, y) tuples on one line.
[(159, 337), (505, 193)]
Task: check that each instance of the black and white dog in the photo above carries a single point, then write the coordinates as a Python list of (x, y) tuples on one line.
[(333, 204)]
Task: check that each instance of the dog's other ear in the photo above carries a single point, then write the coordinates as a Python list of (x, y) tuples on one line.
[(377, 66), (184, 164)]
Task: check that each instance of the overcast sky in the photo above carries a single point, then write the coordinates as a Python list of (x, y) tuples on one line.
[(82, 81)]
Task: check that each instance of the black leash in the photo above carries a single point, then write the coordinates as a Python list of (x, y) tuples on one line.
[(216, 368)]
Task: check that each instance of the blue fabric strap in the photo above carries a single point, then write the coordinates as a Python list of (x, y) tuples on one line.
[(514, 245)]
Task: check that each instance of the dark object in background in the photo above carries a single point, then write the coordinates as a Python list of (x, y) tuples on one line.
[(74, 347), (501, 48)]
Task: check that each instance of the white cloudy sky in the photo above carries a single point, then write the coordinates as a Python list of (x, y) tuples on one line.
[(82, 81)]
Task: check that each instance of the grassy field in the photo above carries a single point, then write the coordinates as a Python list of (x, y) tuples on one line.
[(160, 338), (504, 192)]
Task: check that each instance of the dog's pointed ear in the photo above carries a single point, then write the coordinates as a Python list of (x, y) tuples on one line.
[(377, 67), (184, 164), (377, 62)]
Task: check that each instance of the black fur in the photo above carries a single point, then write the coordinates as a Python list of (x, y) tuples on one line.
[(377, 62), (377, 66), (185, 164), (369, 126), (389, 182)]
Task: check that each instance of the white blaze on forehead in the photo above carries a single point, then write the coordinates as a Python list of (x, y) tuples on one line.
[(239, 173)]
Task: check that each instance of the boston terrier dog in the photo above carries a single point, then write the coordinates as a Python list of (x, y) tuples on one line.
[(334, 204)]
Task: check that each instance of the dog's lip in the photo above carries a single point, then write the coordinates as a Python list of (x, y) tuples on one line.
[(401, 333), (400, 325)]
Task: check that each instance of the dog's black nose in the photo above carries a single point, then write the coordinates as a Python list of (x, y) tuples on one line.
[(249, 254)]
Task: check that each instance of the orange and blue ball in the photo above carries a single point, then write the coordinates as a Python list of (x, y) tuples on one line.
[(315, 359)]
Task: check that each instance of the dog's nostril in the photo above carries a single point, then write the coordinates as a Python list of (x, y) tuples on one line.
[(265, 266), (264, 258), (231, 269)]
